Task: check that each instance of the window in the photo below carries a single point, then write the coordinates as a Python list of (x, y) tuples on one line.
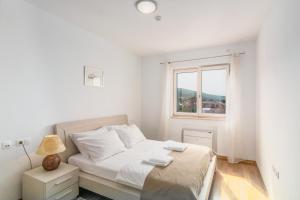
[(201, 91), (187, 91)]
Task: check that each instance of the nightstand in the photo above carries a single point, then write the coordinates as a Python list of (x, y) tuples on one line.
[(60, 184)]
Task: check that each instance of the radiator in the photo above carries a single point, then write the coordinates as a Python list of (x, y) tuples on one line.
[(197, 136)]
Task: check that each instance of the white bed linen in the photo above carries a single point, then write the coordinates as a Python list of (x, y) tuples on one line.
[(102, 146), (130, 161), (135, 173)]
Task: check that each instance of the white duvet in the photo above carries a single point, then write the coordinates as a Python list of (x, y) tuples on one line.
[(135, 172), (127, 167)]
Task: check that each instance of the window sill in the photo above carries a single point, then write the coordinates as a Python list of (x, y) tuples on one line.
[(203, 117)]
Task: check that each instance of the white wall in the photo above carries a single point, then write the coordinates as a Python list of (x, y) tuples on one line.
[(41, 81), (278, 108), (151, 97)]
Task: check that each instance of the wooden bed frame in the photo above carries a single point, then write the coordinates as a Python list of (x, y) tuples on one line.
[(103, 186)]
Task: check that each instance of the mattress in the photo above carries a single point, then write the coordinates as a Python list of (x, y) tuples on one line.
[(110, 167)]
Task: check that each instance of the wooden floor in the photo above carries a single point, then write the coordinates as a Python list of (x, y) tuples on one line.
[(237, 182)]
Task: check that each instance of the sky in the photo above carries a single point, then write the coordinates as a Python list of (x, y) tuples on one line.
[(213, 81)]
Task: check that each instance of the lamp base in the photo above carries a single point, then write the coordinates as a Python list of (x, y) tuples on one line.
[(51, 162)]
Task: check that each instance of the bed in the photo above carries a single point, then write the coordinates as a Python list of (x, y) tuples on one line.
[(99, 179)]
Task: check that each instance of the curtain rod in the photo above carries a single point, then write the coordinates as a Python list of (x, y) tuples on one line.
[(203, 58)]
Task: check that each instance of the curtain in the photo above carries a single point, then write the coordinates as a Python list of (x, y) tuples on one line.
[(233, 107), (165, 99)]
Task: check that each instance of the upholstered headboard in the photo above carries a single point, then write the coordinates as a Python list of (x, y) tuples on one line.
[(64, 130)]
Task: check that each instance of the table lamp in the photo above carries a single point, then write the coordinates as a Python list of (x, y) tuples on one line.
[(50, 147)]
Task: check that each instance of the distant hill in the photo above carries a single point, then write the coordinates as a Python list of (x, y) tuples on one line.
[(187, 94)]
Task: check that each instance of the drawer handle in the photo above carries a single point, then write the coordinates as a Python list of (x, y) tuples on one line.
[(62, 181), (197, 136), (64, 194)]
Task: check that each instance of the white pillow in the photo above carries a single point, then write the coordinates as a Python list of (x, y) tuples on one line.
[(76, 136), (102, 146), (130, 135)]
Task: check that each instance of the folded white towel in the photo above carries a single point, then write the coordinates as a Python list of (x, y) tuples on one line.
[(157, 164), (158, 160), (175, 146)]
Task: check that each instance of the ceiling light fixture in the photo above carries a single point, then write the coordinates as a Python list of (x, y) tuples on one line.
[(146, 6)]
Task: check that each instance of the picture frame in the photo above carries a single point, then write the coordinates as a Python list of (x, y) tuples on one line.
[(93, 77)]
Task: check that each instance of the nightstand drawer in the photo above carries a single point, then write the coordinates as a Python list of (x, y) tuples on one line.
[(61, 183), (67, 194)]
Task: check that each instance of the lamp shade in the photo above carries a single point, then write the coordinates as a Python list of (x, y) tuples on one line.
[(50, 145)]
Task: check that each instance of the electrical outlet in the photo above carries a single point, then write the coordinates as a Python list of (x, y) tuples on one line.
[(6, 144), (275, 171), (25, 141)]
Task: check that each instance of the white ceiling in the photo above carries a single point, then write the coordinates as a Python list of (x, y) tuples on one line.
[(185, 24)]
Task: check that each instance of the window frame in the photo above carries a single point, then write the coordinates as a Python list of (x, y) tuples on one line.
[(199, 69), (178, 71)]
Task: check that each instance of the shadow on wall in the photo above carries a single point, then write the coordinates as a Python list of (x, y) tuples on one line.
[(12, 175), (12, 169)]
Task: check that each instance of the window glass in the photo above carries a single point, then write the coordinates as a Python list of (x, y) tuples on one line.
[(186, 98), (213, 91)]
